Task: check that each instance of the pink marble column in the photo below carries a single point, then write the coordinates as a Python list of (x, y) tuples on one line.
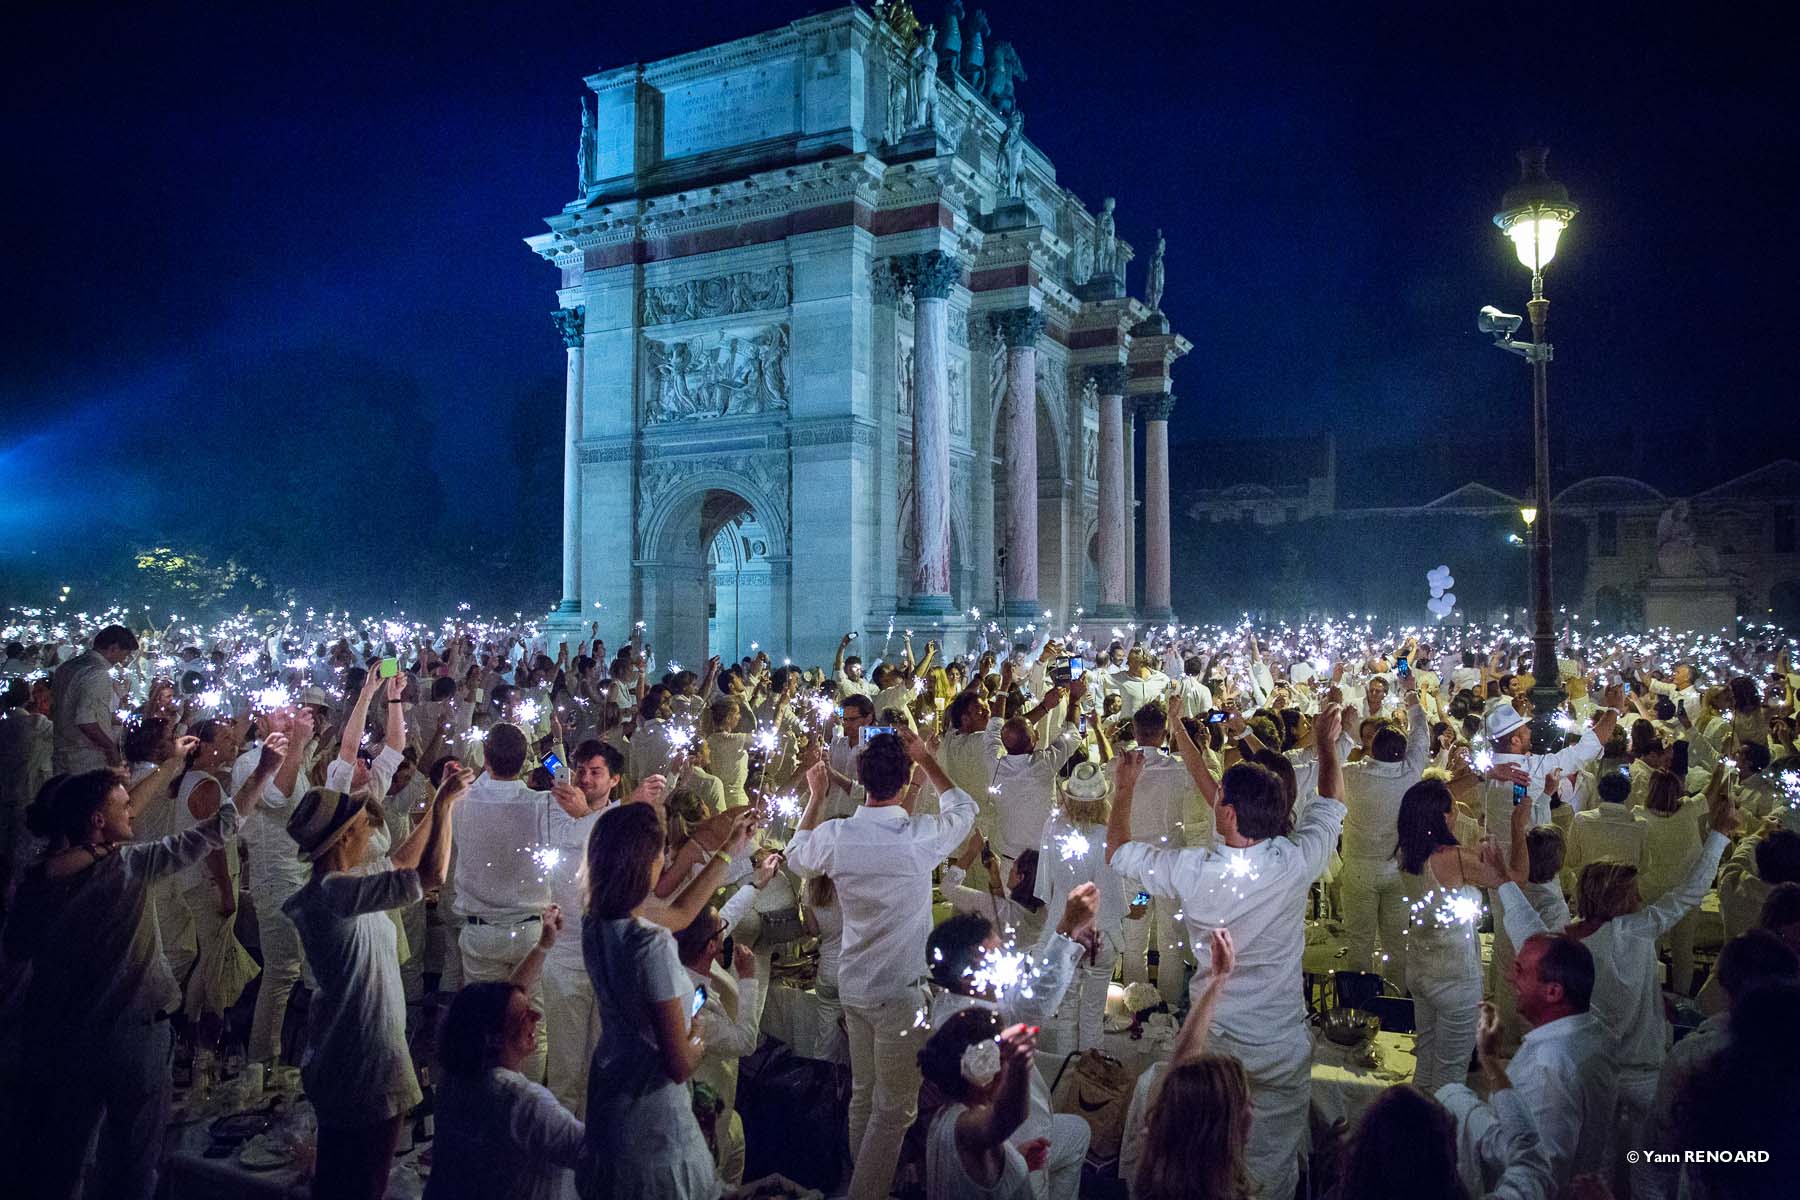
[(1019, 328), (1156, 411), (570, 322), (931, 276), (1109, 379)]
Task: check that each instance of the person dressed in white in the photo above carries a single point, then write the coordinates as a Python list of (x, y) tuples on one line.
[(730, 1022), (571, 1017), (1622, 936), (499, 1135), (1166, 811), (985, 1071), (1611, 831), (274, 874), (84, 703), (1373, 897), (502, 888), (1024, 786), (1139, 683), (1072, 853), (881, 859), (1564, 1070), (1252, 884), (974, 966), (1673, 825), (1438, 882), (968, 751), (357, 1069), (1512, 745)]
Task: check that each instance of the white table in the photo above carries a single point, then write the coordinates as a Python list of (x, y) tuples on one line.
[(1343, 1087)]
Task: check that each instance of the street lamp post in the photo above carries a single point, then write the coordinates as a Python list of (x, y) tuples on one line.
[(1533, 215)]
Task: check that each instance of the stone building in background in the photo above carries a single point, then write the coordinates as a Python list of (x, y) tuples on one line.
[(841, 350)]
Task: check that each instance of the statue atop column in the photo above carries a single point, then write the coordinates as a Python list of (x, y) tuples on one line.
[(585, 158), (1153, 288), (1106, 240), (1012, 157), (1004, 70), (949, 29), (974, 60)]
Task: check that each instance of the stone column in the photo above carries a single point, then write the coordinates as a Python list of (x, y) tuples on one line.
[(1156, 411), (1020, 327), (1109, 380), (931, 275), (1128, 412), (570, 323)]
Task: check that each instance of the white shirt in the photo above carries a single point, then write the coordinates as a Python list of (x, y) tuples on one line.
[(968, 759), (1372, 792), (1166, 806), (1609, 832), (1497, 797), (1564, 1074), (498, 826), (81, 693), (1134, 693), (1627, 981), (847, 686), (881, 860), (566, 838), (276, 870), (1256, 893), (1196, 697), (1024, 789), (1060, 872)]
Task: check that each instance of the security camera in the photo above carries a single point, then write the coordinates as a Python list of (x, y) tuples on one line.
[(1492, 320)]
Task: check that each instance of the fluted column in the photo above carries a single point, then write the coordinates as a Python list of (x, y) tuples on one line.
[(1019, 328), (1156, 411), (570, 322), (1109, 380), (931, 276)]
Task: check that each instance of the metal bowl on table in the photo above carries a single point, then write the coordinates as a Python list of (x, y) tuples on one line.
[(1350, 1027)]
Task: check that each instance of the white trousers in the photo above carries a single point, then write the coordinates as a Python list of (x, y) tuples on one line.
[(1080, 1021), (1069, 1137), (175, 926), (884, 1086), (1170, 937), (1444, 1010), (1280, 1075), (1373, 898), (572, 1021), (283, 963), (490, 952)]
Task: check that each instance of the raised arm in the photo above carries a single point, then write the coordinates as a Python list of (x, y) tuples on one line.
[(358, 719), (1191, 757), (525, 975), (1118, 818), (427, 848), (156, 782), (1190, 1043)]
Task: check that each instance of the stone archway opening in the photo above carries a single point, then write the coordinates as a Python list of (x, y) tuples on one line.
[(713, 579)]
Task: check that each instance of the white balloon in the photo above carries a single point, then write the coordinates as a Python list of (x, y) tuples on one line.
[(1443, 569), (1447, 583), (1436, 591), (1449, 601)]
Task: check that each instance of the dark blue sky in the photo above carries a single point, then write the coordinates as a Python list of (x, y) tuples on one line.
[(266, 269)]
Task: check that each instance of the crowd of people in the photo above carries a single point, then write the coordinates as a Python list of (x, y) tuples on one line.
[(539, 880)]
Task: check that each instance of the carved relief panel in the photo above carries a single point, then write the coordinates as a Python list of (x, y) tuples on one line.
[(724, 373)]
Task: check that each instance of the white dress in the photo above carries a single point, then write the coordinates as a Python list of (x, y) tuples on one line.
[(1443, 972), (947, 1179)]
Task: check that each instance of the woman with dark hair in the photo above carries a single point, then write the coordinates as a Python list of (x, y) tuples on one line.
[(1438, 882), (499, 1135), (357, 1069), (1404, 1147), (100, 996), (642, 1138), (977, 1078)]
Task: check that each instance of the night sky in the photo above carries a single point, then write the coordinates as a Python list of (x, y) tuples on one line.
[(268, 296)]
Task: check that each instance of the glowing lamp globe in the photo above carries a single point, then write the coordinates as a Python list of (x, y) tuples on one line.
[(1535, 212)]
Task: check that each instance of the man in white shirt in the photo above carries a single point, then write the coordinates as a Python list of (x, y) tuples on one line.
[(881, 859), (1254, 884), (1138, 684), (1024, 787), (1373, 896), (1510, 738), (1196, 697), (502, 841), (83, 702), (730, 1023), (847, 673), (1611, 830), (1564, 1070), (843, 751), (1166, 811), (26, 740)]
